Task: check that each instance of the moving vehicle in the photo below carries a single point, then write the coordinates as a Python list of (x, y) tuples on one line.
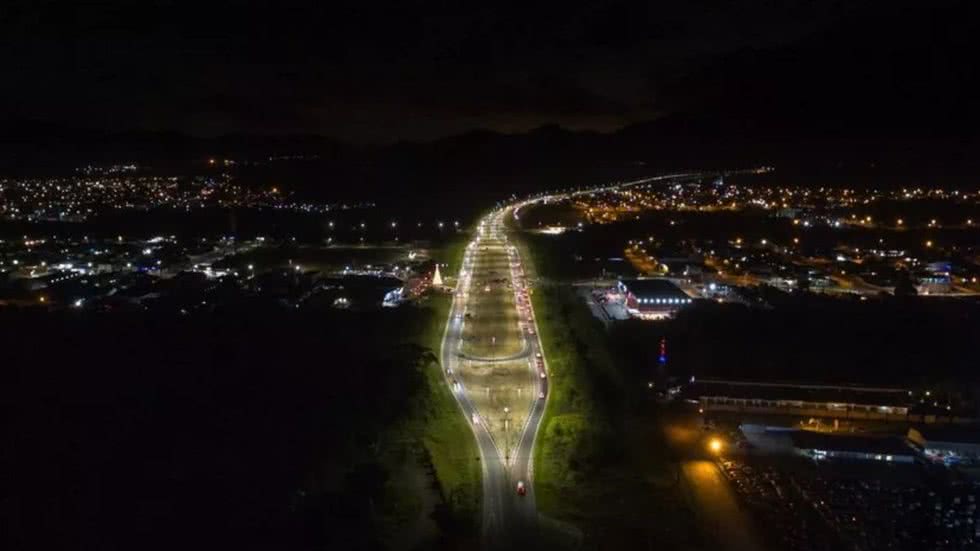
[(521, 489)]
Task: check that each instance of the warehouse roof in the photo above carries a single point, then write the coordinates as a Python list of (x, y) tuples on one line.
[(839, 394), (662, 288), (961, 435)]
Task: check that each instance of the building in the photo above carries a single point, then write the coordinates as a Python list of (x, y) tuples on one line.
[(821, 445), (950, 445), (652, 298), (810, 400)]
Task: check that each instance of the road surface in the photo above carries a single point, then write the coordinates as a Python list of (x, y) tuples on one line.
[(505, 438), (505, 414)]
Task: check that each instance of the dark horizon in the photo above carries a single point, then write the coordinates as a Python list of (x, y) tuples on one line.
[(387, 74)]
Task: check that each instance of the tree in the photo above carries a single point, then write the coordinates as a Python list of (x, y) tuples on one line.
[(904, 286)]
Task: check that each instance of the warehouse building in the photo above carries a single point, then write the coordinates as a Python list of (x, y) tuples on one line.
[(652, 298), (810, 400)]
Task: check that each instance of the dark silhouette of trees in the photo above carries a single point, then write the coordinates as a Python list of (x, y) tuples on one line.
[(904, 287), (244, 429)]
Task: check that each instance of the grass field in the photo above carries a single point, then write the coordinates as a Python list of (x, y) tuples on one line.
[(451, 252), (444, 433), (599, 463), (573, 424)]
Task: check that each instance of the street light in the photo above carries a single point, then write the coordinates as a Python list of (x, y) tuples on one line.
[(715, 445)]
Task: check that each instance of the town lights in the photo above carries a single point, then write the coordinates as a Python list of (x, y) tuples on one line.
[(715, 445)]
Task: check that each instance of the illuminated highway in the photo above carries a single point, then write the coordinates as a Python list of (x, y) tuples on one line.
[(492, 361)]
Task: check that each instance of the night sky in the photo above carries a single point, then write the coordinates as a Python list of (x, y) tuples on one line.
[(382, 72)]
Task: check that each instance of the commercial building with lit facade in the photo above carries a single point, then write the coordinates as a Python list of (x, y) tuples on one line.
[(652, 297)]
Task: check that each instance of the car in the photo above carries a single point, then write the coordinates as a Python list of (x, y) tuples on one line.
[(521, 489), (537, 355), (449, 371), (541, 395), (542, 374), (476, 419)]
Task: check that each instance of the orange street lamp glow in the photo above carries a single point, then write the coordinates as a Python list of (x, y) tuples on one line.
[(715, 445)]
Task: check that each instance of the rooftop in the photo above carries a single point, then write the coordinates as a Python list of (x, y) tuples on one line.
[(842, 394), (662, 288), (961, 434)]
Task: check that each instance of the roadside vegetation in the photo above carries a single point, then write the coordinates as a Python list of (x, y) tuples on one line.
[(600, 461), (250, 426), (442, 429)]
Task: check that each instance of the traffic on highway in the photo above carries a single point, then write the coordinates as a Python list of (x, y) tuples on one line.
[(497, 372)]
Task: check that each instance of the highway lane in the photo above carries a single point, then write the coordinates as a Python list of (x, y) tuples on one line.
[(508, 518)]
